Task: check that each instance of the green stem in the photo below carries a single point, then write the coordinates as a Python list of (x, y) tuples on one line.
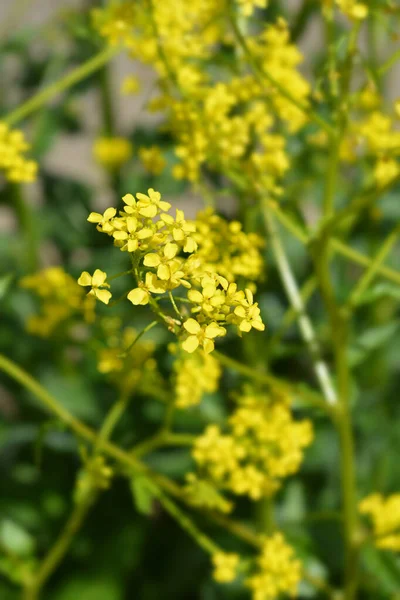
[(59, 550), (262, 75), (112, 418), (184, 520), (291, 314), (28, 227), (370, 273), (313, 398), (336, 245), (391, 62), (72, 78), (126, 460), (306, 328)]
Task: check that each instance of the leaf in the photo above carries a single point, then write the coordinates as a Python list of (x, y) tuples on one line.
[(381, 290), (371, 340), (143, 497), (5, 284), (16, 540)]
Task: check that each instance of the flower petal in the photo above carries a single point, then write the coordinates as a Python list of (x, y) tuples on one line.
[(98, 278), (151, 260), (192, 326), (191, 343), (103, 296), (138, 296), (85, 279)]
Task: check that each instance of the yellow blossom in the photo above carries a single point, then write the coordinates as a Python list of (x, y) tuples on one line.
[(201, 336), (353, 9), (384, 513), (225, 566), (278, 571), (12, 161), (97, 282), (247, 6), (130, 85), (261, 446), (152, 159), (112, 152)]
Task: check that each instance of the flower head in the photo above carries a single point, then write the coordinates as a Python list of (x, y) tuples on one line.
[(97, 282)]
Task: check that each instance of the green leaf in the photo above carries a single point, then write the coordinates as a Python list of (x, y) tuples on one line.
[(143, 497), (381, 290), (5, 284), (371, 340), (16, 540)]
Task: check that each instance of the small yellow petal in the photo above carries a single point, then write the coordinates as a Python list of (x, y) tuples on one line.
[(103, 296), (190, 344), (192, 326), (208, 346), (151, 260), (85, 279), (138, 296), (98, 278), (95, 217)]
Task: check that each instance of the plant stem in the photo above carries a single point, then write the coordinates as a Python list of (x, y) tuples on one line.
[(72, 78), (336, 245), (370, 273), (306, 328), (310, 396), (184, 520), (28, 227), (262, 75), (60, 548), (125, 459)]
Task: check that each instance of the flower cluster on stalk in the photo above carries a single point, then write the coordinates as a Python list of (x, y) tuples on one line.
[(261, 446), (165, 257)]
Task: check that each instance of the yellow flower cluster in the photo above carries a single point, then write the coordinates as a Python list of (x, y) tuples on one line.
[(61, 298), (248, 6), (353, 9), (112, 152), (97, 282), (156, 240), (379, 138), (279, 572), (15, 166), (225, 566), (152, 159), (263, 445), (130, 85), (385, 516), (225, 124), (195, 375), (224, 247), (186, 33)]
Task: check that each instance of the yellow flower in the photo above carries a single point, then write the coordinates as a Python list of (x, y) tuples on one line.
[(201, 336), (162, 261), (112, 152), (97, 282), (152, 160), (12, 161), (247, 315), (279, 572), (130, 85), (141, 294), (384, 514), (130, 239), (225, 566), (247, 6), (353, 9), (103, 220), (150, 205)]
